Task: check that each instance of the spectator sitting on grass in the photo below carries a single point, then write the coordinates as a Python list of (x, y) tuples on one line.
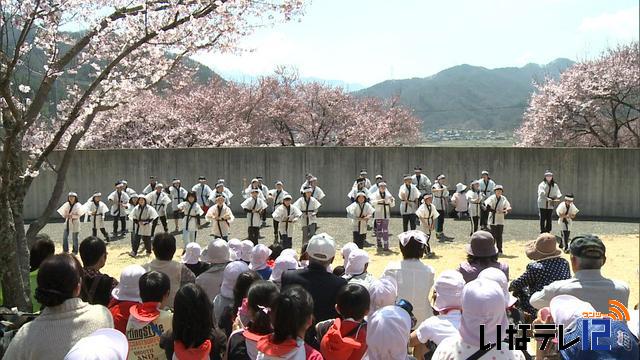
[(547, 266), (481, 254), (587, 283), (66, 318)]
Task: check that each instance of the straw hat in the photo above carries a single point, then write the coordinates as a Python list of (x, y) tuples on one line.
[(544, 247)]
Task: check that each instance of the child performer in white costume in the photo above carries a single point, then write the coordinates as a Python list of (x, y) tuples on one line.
[(254, 206), (71, 211), (142, 217), (286, 215), (191, 211), (97, 210), (567, 212), (428, 216), (309, 206), (382, 202), (360, 212), (221, 218)]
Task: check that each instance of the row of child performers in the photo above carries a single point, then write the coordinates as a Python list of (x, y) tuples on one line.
[(148, 211), (365, 207)]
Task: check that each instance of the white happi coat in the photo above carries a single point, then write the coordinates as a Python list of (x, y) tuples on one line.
[(354, 191), (423, 183), (309, 209), (563, 210), (221, 220), (460, 202), (382, 203), (304, 185), (475, 200), (360, 215), (367, 184), (427, 215), (130, 191), (409, 197), (373, 189), (227, 192), (317, 193), (286, 218), (247, 193), (212, 197), (253, 218), (441, 198), (191, 212), (178, 195), (202, 193), (119, 203), (148, 189), (499, 205), (277, 196), (76, 212), (97, 213), (545, 192), (486, 188), (145, 217), (159, 202)]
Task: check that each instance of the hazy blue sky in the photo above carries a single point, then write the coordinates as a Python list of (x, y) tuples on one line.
[(367, 41)]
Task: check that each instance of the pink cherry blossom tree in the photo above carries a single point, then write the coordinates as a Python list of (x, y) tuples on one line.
[(594, 103), (277, 110), (122, 45)]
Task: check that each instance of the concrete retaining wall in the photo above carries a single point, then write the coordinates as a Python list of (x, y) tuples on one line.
[(606, 182)]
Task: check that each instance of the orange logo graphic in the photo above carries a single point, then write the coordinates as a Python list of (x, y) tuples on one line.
[(617, 312)]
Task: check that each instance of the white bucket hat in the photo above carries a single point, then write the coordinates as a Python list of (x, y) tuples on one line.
[(230, 276), (128, 288), (259, 256), (356, 262), (281, 265), (217, 252), (102, 344), (499, 277), (448, 287), (192, 253)]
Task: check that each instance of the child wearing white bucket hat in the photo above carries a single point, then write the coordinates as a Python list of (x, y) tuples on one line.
[(102, 344), (191, 259), (447, 291), (125, 295), (356, 269), (218, 256)]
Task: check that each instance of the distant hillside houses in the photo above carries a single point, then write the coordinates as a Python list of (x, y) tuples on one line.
[(464, 134)]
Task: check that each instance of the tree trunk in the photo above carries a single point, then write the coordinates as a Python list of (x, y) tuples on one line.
[(14, 257)]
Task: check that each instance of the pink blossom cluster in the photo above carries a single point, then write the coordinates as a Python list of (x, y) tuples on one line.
[(594, 103)]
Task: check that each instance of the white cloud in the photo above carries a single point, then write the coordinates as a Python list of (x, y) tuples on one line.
[(622, 24), (264, 54)]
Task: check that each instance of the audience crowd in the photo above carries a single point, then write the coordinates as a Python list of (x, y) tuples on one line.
[(235, 300)]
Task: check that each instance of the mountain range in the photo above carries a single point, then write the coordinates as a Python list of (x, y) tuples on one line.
[(470, 97), (460, 97)]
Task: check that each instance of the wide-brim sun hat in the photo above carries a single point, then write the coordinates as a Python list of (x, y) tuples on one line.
[(544, 247)]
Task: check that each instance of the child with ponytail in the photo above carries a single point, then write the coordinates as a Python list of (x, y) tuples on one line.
[(291, 316), (243, 343)]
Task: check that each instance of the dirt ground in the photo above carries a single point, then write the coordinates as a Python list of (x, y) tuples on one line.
[(621, 239)]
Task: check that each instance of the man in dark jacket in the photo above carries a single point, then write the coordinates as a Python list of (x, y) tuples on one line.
[(322, 285)]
